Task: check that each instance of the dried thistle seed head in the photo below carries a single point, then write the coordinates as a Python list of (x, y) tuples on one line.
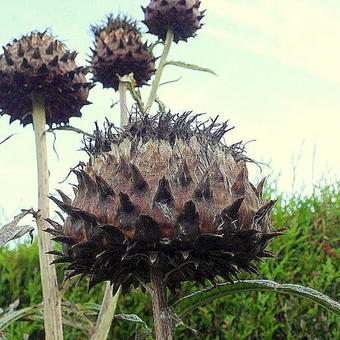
[(164, 192), (118, 49), (182, 17), (40, 64)]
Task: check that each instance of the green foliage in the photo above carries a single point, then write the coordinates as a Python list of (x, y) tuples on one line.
[(306, 255)]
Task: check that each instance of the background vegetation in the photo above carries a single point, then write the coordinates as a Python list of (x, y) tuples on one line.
[(306, 255)]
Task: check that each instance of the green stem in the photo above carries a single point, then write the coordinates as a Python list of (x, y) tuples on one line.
[(106, 314), (155, 85), (123, 105), (52, 303)]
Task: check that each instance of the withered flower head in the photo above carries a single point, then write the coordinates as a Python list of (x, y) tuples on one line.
[(118, 49), (182, 17), (166, 192), (40, 64)]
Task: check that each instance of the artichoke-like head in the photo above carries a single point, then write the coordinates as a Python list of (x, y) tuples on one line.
[(40, 64), (119, 50), (182, 17), (164, 192)]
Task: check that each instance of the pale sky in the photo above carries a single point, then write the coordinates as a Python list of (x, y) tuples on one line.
[(278, 66)]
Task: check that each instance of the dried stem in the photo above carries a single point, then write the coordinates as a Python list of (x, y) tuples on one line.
[(70, 128), (52, 304), (122, 103), (162, 319), (109, 303), (155, 85), (106, 314)]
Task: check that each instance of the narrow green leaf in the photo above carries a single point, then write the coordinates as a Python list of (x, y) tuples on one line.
[(132, 318), (189, 303), (190, 66), (10, 317), (170, 81)]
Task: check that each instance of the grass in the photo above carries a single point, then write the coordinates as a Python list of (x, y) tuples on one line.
[(306, 255)]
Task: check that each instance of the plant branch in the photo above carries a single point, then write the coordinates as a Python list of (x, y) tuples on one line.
[(155, 85), (109, 303), (123, 105), (69, 128), (52, 303), (162, 318)]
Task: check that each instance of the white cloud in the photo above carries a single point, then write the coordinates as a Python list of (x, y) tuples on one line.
[(303, 34)]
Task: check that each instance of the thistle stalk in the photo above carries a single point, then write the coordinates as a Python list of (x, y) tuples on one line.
[(122, 104), (162, 319), (109, 303), (52, 302), (156, 82)]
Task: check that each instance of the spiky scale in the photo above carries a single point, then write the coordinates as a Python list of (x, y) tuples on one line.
[(137, 178), (163, 194), (104, 188), (63, 259), (188, 221), (260, 186), (54, 224), (183, 175), (55, 252), (64, 197), (232, 210), (147, 229), (49, 49), (65, 239), (263, 211), (36, 54), (239, 187), (203, 190), (89, 183), (125, 203)]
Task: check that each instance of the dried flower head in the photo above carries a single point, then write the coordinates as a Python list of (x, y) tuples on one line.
[(118, 49), (182, 17), (166, 192), (40, 64)]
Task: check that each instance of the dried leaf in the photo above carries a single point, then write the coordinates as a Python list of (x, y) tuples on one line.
[(191, 66), (12, 231)]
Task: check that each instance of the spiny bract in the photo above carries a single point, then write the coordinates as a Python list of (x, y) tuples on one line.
[(40, 64), (118, 49), (182, 17), (164, 191)]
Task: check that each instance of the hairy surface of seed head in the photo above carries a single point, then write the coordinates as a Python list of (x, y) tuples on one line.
[(182, 17), (118, 49), (166, 192), (40, 64)]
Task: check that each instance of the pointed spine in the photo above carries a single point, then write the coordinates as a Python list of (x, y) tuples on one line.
[(203, 191), (164, 194), (137, 179)]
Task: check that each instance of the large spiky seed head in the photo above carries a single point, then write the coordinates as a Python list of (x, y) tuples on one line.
[(164, 192), (40, 64), (118, 49), (182, 17)]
